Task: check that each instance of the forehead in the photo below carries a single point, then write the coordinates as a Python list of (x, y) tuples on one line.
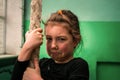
[(58, 24), (57, 27)]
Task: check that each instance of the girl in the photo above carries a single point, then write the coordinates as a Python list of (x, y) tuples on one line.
[(62, 32)]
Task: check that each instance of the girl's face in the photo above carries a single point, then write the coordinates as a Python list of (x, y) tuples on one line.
[(60, 43)]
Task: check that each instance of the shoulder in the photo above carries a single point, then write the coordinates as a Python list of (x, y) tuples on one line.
[(78, 61), (78, 67)]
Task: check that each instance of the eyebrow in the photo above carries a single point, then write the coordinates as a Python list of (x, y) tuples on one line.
[(57, 36)]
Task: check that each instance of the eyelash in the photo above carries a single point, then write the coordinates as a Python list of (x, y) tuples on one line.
[(48, 39), (58, 39)]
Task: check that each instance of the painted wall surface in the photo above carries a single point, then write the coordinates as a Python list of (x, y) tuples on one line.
[(13, 24), (100, 29)]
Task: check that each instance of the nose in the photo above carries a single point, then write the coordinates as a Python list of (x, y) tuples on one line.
[(54, 44)]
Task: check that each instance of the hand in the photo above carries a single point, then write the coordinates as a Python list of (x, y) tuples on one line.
[(33, 74), (34, 38)]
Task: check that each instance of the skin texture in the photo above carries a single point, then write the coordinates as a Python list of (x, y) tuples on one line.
[(33, 40), (60, 44)]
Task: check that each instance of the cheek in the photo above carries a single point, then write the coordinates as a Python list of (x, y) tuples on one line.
[(66, 48)]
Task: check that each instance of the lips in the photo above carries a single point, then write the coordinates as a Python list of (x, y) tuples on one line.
[(55, 52)]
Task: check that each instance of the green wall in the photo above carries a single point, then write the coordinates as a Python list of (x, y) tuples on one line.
[(100, 27), (6, 67)]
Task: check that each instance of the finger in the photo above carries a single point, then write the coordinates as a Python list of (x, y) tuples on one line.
[(38, 30), (27, 33), (36, 63)]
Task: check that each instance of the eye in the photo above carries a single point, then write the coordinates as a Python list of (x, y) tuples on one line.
[(61, 39), (48, 38)]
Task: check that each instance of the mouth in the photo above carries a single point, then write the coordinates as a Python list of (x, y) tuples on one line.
[(55, 52)]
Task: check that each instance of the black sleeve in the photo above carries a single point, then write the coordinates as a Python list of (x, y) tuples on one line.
[(18, 70), (79, 71)]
